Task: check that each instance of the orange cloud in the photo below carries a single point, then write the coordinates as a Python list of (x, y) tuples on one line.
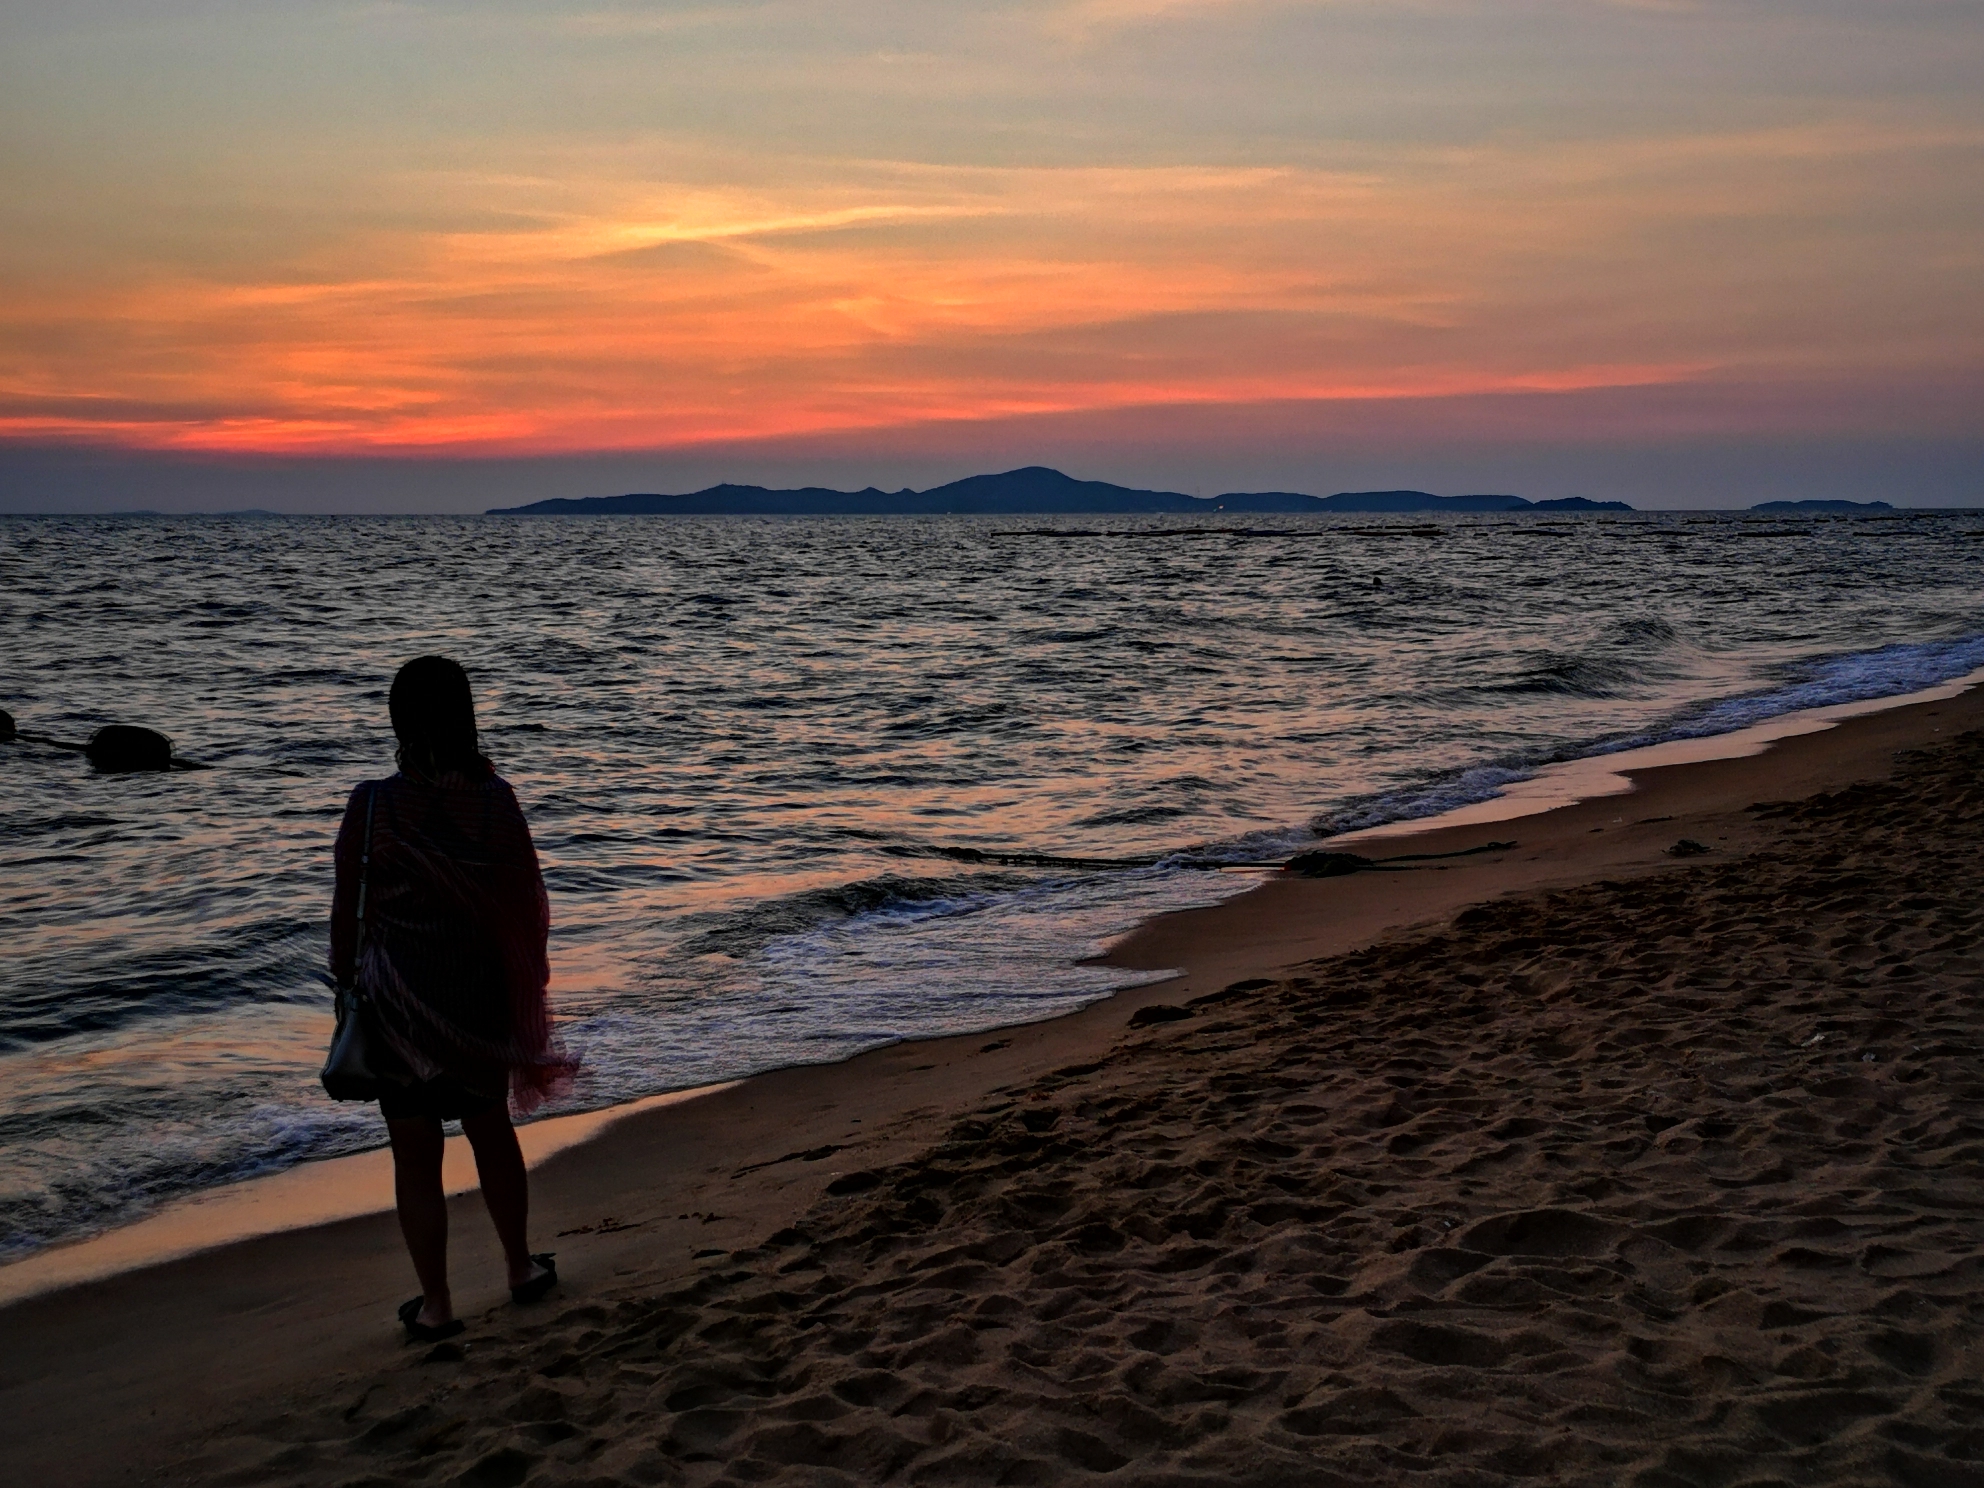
[(547, 310)]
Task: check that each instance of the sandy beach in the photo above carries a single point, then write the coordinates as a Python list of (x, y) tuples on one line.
[(1578, 1162)]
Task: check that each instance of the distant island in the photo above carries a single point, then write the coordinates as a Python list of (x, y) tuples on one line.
[(1033, 491), (1821, 506)]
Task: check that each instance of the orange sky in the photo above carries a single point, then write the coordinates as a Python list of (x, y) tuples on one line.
[(252, 228)]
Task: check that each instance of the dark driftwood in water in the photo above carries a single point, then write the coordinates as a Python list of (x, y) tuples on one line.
[(115, 749), (1327, 864), (1321, 864), (32, 738)]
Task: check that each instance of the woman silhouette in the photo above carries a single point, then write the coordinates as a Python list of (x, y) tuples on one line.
[(453, 961)]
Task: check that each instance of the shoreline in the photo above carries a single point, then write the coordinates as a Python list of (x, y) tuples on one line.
[(1592, 776), (331, 1190), (322, 1192), (665, 1196), (1285, 920)]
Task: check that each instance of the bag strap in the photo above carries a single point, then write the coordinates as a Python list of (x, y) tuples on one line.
[(365, 865)]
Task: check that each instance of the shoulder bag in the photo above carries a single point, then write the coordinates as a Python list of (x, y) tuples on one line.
[(355, 1068)]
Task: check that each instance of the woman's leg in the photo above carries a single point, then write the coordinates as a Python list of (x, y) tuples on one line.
[(499, 1161), (417, 1145)]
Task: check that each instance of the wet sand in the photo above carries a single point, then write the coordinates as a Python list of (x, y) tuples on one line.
[(1577, 1163)]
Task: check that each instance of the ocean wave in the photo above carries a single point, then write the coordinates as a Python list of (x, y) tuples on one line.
[(1853, 677), (31, 829), (262, 962), (1563, 675), (1640, 632), (1131, 816), (191, 1143), (1413, 803), (1013, 857), (740, 931)]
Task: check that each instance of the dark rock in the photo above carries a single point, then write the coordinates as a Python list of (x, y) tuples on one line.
[(121, 747), (6, 727), (1687, 847), (1158, 1012)]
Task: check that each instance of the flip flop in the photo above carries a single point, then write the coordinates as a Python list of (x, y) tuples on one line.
[(537, 1286), (421, 1332)]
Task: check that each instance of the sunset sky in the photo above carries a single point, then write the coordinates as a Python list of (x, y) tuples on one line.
[(432, 256)]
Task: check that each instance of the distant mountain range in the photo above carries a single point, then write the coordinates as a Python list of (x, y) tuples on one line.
[(1033, 491)]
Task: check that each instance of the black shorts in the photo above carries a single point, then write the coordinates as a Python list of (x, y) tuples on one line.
[(443, 1100)]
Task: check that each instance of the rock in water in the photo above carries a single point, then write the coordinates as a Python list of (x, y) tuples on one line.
[(6, 727), (119, 747)]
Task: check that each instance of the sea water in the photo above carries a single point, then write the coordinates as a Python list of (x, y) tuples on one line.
[(802, 787)]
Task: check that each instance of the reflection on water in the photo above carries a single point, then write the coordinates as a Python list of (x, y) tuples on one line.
[(801, 787)]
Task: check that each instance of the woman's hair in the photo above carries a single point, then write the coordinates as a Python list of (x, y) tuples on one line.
[(434, 717)]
